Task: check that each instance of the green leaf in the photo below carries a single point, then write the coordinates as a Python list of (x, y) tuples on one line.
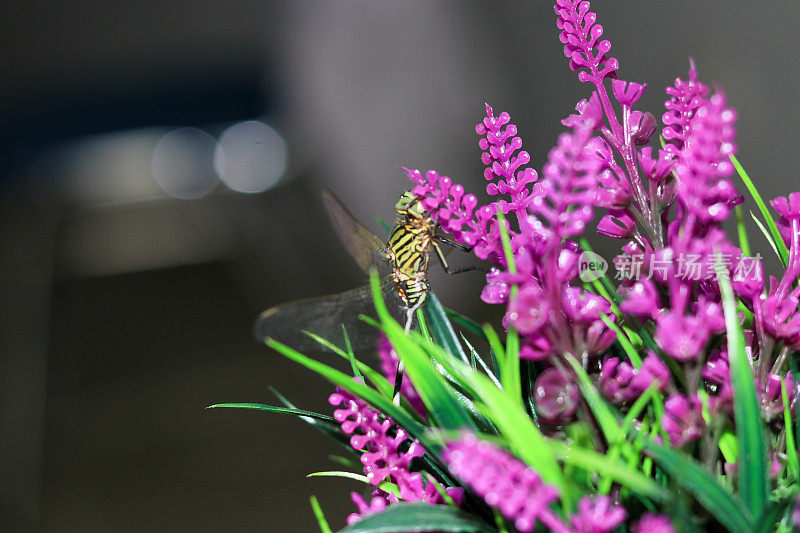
[(623, 340), (766, 234), (474, 354), (323, 523), (688, 474), (386, 486), (371, 396), (591, 461), (783, 253), (440, 399), (772, 513), (350, 355), (741, 229), (274, 409), (374, 376), (627, 423), (791, 447), (729, 446), (441, 329), (753, 466), (403, 517)]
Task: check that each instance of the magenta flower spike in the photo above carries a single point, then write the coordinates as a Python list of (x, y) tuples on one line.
[(503, 172), (703, 163), (386, 454), (621, 383), (653, 523), (583, 47), (504, 483), (597, 514), (686, 97)]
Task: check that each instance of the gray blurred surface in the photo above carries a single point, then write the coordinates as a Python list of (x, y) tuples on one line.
[(125, 312)]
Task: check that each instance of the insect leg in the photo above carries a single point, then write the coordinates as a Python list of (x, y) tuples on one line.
[(442, 261), (454, 244)]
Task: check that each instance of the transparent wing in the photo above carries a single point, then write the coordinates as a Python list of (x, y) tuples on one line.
[(325, 316), (366, 248)]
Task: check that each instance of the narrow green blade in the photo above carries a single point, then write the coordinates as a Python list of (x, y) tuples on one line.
[(753, 466), (441, 329), (773, 228), (689, 475), (403, 517)]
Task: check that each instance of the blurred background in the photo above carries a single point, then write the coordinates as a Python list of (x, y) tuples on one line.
[(159, 185)]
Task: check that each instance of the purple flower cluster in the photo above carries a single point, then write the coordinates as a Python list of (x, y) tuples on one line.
[(683, 419), (386, 454), (553, 316), (621, 383), (505, 483), (518, 492)]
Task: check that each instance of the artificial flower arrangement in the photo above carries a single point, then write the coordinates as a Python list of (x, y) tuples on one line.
[(659, 401)]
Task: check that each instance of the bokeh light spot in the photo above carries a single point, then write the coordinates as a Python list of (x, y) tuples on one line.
[(250, 157), (183, 163)]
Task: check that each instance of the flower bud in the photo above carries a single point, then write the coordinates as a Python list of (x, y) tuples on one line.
[(643, 125), (556, 396)]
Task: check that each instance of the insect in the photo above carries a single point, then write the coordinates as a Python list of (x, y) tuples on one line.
[(402, 263)]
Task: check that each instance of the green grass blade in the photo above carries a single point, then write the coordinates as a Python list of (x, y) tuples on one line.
[(481, 362), (498, 351), (741, 229), (753, 466), (373, 375), (441, 329), (386, 486), (767, 236), (320, 516), (509, 371), (611, 468), (791, 447), (350, 355), (783, 253), (627, 423), (371, 396), (419, 517), (376, 378), (772, 513), (333, 430), (623, 340), (692, 477), (510, 375), (274, 409)]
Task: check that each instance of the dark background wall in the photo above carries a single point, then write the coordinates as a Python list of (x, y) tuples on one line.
[(124, 311)]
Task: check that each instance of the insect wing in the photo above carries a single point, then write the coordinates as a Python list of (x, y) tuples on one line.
[(325, 316), (366, 248)]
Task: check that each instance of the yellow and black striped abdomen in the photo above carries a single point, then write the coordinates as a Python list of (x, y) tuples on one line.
[(409, 246)]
